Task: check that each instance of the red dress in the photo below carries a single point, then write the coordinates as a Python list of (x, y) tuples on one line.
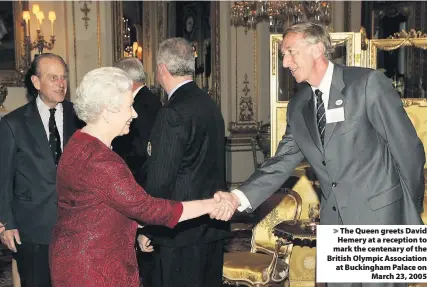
[(93, 239)]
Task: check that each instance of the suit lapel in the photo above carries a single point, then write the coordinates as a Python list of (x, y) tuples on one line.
[(35, 126), (335, 94), (310, 121)]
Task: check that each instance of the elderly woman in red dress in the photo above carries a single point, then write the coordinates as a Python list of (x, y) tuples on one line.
[(98, 198)]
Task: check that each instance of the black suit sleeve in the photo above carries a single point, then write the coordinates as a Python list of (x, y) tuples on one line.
[(168, 142), (7, 168)]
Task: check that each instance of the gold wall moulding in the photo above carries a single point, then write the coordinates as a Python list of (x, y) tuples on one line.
[(238, 129), (85, 9), (412, 38), (410, 34)]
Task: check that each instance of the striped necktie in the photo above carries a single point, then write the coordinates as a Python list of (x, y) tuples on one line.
[(320, 114), (54, 139)]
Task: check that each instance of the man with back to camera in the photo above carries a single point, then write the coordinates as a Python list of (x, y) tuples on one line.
[(33, 138), (133, 146), (350, 125), (186, 162)]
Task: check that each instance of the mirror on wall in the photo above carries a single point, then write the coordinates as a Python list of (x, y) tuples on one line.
[(127, 25), (13, 58), (398, 48), (401, 57)]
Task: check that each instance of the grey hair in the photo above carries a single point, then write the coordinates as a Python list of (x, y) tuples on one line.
[(313, 33), (133, 67), (101, 88), (178, 56)]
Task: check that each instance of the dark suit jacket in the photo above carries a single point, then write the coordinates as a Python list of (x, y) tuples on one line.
[(370, 167), (133, 146), (28, 198), (187, 162)]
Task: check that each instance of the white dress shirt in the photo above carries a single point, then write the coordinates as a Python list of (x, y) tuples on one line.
[(324, 87), (45, 115), (178, 86)]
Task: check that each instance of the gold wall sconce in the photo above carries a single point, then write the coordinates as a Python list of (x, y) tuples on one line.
[(39, 43)]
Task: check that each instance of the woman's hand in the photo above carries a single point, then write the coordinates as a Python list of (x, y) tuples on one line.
[(144, 243), (222, 207)]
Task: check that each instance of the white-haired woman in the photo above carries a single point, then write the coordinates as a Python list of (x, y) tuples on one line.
[(93, 240)]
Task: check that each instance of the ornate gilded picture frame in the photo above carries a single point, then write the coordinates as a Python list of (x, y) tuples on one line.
[(12, 74), (408, 48)]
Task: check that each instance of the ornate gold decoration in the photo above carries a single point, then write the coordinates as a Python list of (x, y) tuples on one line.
[(411, 34), (275, 40), (246, 108), (242, 129), (414, 102), (85, 9), (346, 39), (364, 37), (412, 38)]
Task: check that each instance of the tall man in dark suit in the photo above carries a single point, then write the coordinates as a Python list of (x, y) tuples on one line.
[(32, 140), (186, 162), (350, 125), (133, 146)]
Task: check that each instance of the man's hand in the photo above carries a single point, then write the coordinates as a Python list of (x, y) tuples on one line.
[(144, 243), (9, 237), (228, 203)]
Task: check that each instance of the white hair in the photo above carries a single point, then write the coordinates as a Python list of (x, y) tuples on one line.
[(101, 88), (178, 56), (133, 67)]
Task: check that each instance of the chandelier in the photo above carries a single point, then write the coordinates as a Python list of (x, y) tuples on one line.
[(277, 13)]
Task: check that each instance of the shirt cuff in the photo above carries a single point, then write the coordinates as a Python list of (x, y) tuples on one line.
[(177, 209), (244, 201)]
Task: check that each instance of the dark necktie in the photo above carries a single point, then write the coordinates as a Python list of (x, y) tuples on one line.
[(54, 139), (320, 114)]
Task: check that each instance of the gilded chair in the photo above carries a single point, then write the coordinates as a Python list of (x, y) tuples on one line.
[(302, 260), (266, 264), (417, 113)]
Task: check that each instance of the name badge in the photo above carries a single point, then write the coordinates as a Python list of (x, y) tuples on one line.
[(335, 115)]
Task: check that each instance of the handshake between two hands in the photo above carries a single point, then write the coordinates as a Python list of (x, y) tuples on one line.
[(225, 204), (221, 207)]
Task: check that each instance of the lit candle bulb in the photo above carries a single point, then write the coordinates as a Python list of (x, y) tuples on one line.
[(26, 17), (52, 18), (36, 9), (139, 53), (40, 18), (134, 48)]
